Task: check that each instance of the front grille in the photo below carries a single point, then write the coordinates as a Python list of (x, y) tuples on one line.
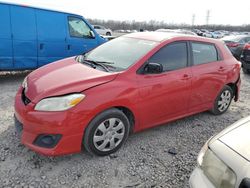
[(24, 98)]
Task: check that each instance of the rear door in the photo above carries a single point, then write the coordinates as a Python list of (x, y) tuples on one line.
[(24, 37), (209, 75), (79, 39), (51, 29), (6, 51), (165, 96)]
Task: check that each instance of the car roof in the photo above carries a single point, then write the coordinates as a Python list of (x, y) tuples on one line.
[(40, 8), (163, 36)]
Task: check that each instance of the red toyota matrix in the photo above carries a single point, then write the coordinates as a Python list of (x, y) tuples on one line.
[(131, 83)]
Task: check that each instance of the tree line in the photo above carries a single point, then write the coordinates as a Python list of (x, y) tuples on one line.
[(153, 25)]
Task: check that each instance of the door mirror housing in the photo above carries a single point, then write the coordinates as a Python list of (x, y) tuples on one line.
[(92, 34), (153, 68)]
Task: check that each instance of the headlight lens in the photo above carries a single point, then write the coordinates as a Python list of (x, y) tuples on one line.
[(202, 152), (24, 84), (59, 103), (217, 171)]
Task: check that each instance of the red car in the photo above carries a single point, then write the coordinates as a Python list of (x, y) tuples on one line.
[(131, 83)]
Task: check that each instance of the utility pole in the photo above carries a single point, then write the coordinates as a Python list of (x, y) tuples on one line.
[(193, 19), (207, 17)]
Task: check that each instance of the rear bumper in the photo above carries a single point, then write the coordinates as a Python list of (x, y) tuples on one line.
[(198, 180), (31, 124), (237, 94)]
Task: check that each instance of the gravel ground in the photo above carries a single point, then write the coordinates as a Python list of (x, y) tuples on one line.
[(144, 161)]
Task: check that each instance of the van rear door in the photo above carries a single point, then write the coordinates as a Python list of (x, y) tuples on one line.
[(79, 39), (6, 51), (51, 29), (24, 37)]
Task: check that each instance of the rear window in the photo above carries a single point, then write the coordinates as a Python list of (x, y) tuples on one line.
[(204, 53)]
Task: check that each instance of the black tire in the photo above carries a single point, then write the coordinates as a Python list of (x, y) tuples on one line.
[(217, 109), (108, 34), (246, 71), (94, 127)]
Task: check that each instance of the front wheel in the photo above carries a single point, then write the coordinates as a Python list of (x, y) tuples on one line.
[(223, 101), (106, 132)]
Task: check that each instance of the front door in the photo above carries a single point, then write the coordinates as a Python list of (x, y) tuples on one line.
[(79, 38), (165, 96)]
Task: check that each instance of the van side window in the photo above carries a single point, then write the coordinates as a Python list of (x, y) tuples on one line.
[(172, 56), (78, 28), (204, 53)]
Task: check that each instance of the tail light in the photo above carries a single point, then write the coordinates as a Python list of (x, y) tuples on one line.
[(247, 47), (233, 44)]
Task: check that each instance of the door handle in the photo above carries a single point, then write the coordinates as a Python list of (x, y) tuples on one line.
[(221, 69), (185, 77), (41, 46), (68, 46)]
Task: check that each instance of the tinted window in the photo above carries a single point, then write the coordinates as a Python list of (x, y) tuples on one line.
[(78, 28), (204, 53), (172, 56)]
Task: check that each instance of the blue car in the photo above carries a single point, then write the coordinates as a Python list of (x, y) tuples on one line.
[(32, 37)]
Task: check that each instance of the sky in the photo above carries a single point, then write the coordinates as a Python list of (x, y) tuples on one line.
[(170, 11)]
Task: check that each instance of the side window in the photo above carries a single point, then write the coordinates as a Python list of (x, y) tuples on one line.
[(78, 28), (97, 27), (204, 53), (172, 56)]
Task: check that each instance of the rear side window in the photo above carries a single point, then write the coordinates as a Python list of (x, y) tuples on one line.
[(171, 57), (204, 53), (78, 28)]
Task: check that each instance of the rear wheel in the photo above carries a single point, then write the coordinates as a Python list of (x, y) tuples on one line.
[(106, 132), (223, 101), (108, 34)]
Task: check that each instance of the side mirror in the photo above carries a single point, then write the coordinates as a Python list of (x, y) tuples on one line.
[(153, 68), (92, 34)]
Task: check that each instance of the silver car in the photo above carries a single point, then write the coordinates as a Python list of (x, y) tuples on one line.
[(224, 161)]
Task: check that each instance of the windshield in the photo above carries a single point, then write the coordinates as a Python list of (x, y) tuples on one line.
[(121, 52)]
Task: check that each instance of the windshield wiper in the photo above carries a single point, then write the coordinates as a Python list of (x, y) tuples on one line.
[(103, 64), (92, 63)]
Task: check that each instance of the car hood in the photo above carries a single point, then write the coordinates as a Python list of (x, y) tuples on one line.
[(63, 77), (237, 137)]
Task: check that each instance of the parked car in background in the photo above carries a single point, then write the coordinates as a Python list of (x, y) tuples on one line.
[(236, 44), (224, 161), (101, 30), (180, 31), (207, 34), (100, 97), (217, 34), (245, 58), (32, 37)]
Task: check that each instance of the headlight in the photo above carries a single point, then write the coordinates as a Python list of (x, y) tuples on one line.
[(24, 84), (202, 152), (59, 103), (217, 171)]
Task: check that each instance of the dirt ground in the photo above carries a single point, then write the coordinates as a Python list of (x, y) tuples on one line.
[(144, 161)]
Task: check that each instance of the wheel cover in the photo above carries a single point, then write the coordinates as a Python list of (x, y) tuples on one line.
[(109, 134), (224, 101)]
